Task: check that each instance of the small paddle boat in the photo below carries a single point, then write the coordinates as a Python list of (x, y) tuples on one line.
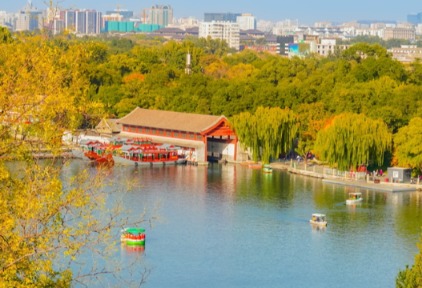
[(133, 236), (354, 198), (318, 219)]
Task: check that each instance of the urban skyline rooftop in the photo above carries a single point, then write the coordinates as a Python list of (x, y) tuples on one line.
[(307, 12)]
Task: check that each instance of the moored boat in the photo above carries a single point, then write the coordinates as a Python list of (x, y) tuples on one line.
[(99, 153), (181, 159), (144, 156), (267, 169), (354, 198), (318, 219)]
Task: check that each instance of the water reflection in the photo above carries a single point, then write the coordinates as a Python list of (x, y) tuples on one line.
[(252, 229)]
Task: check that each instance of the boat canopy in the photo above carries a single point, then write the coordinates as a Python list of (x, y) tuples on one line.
[(318, 216), (133, 230)]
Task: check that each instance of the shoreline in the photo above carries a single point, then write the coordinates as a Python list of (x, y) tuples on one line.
[(337, 180)]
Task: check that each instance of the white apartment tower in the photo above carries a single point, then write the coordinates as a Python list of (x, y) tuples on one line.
[(82, 21), (226, 31), (246, 22)]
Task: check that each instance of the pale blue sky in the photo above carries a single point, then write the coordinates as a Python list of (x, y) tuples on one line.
[(306, 11)]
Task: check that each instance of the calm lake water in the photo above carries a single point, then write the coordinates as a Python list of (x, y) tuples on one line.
[(232, 226)]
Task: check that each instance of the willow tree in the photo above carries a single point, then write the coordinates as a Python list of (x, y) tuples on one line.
[(353, 139), (46, 222), (268, 132), (408, 145)]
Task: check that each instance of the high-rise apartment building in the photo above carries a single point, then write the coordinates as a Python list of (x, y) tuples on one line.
[(160, 15), (246, 22), (69, 20), (226, 31), (82, 21), (29, 19)]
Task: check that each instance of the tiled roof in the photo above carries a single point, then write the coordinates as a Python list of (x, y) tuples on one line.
[(170, 120)]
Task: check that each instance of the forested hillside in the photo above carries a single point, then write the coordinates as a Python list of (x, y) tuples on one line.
[(124, 73)]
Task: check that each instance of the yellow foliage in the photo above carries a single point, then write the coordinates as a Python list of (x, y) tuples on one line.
[(43, 91)]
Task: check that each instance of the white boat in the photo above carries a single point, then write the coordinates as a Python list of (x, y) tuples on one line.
[(318, 219), (267, 169), (354, 198)]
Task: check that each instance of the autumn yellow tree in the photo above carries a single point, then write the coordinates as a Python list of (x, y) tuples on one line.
[(407, 144), (43, 90)]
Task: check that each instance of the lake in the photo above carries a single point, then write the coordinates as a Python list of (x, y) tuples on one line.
[(232, 226)]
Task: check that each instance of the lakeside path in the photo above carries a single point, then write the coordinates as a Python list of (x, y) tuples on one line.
[(317, 171)]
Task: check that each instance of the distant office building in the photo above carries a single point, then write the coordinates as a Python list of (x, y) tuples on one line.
[(399, 33), (185, 23), (406, 53), (246, 22), (229, 17), (415, 19), (161, 15), (285, 27), (29, 19), (126, 14), (226, 31), (7, 19), (284, 42), (329, 47)]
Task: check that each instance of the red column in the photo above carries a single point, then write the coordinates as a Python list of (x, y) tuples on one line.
[(205, 140), (235, 149)]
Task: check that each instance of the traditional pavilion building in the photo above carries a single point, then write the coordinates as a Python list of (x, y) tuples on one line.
[(207, 137)]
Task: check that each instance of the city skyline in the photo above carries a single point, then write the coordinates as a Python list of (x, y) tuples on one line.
[(307, 12)]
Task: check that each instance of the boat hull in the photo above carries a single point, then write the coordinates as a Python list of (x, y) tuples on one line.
[(131, 162), (267, 170), (353, 201), (318, 223)]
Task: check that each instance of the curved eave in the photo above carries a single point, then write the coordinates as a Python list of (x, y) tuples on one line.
[(215, 125)]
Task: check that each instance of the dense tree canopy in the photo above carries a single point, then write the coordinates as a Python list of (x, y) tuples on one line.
[(353, 139)]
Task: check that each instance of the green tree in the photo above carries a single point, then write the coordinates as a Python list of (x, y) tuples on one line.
[(353, 139)]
